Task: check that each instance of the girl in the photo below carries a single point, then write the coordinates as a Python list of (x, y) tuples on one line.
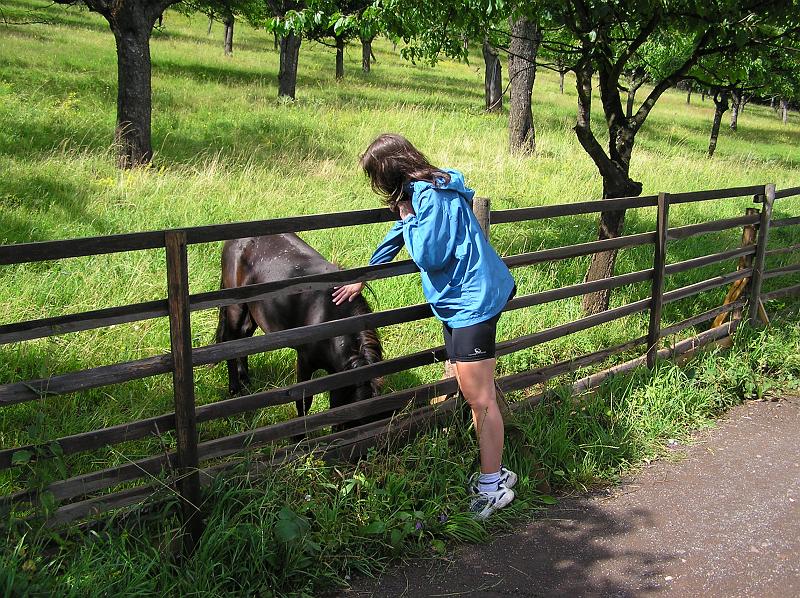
[(463, 279)]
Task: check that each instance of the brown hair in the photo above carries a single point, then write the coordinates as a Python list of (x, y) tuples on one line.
[(391, 162)]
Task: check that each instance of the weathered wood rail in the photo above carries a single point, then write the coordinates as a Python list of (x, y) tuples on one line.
[(91, 493)]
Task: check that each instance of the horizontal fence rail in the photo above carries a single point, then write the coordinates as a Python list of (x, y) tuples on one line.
[(213, 299), (413, 402)]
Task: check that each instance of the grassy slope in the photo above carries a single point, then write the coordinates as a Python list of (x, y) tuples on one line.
[(227, 150)]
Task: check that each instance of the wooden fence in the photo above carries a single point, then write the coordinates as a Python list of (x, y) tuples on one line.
[(89, 494)]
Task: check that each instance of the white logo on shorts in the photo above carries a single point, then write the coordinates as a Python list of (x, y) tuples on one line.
[(478, 351)]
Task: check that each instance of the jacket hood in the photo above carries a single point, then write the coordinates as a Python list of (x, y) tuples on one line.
[(456, 184)]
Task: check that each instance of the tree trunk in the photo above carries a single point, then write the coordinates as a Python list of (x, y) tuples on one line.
[(611, 225), (210, 23), (132, 133), (366, 53), (493, 78), (522, 74), (689, 89), (614, 168), (339, 57), (735, 108), (703, 95), (772, 102), (275, 41), (784, 110), (721, 105), (287, 72), (228, 22), (561, 81), (631, 99)]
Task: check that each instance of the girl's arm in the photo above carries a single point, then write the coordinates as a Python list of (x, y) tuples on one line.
[(391, 245), (387, 250)]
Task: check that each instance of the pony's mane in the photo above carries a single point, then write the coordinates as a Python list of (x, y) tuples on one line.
[(369, 344)]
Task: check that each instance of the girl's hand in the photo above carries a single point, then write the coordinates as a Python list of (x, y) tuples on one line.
[(347, 293), (405, 209)]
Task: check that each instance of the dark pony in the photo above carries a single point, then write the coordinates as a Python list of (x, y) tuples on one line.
[(277, 257)]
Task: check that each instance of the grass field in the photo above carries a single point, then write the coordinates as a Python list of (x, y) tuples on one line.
[(228, 150)]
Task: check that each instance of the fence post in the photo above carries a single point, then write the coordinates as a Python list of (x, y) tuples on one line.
[(183, 386), (481, 208), (740, 286), (761, 251), (659, 264)]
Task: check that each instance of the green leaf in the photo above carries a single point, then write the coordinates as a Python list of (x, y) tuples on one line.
[(287, 531), (286, 513), (21, 457), (376, 527), (48, 502), (396, 538), (548, 500), (55, 449)]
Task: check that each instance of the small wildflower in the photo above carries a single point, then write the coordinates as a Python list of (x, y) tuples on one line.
[(308, 498), (347, 578), (443, 518), (418, 525)]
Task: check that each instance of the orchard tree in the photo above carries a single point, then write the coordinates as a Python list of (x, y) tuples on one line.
[(226, 11), (608, 37), (439, 27), (526, 36), (287, 20), (131, 22)]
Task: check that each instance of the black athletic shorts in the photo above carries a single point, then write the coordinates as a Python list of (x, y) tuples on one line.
[(473, 343)]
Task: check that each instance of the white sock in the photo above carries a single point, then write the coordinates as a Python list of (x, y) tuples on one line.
[(488, 482)]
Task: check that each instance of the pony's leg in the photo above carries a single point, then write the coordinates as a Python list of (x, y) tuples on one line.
[(235, 323), (304, 372)]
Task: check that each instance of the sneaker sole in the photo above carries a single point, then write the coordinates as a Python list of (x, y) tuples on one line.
[(505, 500)]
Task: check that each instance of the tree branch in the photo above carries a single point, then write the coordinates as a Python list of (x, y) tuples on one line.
[(636, 122), (637, 43)]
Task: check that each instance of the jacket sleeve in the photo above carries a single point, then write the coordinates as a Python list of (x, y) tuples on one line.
[(390, 246), (430, 234)]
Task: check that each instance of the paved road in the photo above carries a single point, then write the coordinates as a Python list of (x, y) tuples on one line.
[(724, 521)]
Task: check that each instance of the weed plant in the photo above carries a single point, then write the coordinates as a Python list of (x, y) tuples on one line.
[(227, 150), (311, 525)]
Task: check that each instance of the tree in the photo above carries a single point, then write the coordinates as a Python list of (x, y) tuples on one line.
[(131, 22), (525, 40), (288, 19), (439, 27), (492, 78), (610, 35), (721, 105), (226, 11), (736, 76)]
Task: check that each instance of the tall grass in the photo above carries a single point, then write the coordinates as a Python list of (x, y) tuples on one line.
[(309, 525), (227, 150)]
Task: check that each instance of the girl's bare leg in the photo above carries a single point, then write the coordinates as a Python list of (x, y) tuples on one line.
[(476, 380)]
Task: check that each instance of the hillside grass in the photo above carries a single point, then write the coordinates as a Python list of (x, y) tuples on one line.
[(226, 149)]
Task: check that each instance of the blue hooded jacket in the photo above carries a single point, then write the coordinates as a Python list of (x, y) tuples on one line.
[(463, 278)]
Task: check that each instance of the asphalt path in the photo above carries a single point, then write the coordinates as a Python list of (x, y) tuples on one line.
[(723, 520)]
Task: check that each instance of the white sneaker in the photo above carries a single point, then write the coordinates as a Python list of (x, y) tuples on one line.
[(507, 478), (485, 503)]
